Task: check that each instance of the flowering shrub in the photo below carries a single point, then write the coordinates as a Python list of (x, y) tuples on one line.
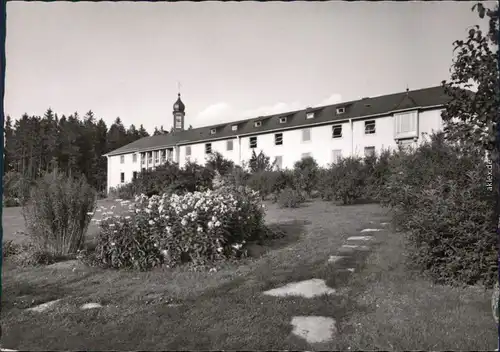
[(195, 227)]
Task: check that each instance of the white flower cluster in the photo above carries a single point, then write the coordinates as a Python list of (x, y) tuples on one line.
[(210, 213)]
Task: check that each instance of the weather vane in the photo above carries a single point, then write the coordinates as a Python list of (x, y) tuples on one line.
[(179, 87)]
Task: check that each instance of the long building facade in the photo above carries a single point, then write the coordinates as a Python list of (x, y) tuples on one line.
[(326, 133)]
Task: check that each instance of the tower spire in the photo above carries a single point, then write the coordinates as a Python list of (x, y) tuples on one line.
[(178, 88)]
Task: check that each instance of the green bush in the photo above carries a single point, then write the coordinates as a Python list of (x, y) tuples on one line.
[(306, 173), (259, 162), (9, 248), (198, 228), (16, 189), (126, 191), (217, 163), (264, 182), (11, 202), (193, 177), (59, 212), (376, 172), (326, 184), (344, 181), (290, 198), (438, 194)]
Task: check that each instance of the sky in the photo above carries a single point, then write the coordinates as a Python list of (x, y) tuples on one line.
[(233, 60)]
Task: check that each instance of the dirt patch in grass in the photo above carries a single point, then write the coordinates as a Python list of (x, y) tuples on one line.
[(406, 312)]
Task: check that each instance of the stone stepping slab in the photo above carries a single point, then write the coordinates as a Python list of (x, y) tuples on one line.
[(335, 259), (308, 289), (44, 306), (371, 230), (87, 306), (314, 329), (349, 249), (360, 238)]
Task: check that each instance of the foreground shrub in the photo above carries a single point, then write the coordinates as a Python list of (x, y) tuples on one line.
[(439, 195), (290, 198), (59, 212), (198, 227), (451, 234)]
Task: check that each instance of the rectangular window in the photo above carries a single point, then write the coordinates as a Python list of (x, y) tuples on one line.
[(234, 128), (278, 139), (257, 123), (163, 155), (405, 124), (253, 142), (370, 127), (282, 119), (337, 131), (336, 155), (150, 158), (157, 156), (188, 150), (134, 158), (122, 159), (170, 154), (208, 148), (213, 131), (134, 175), (306, 155), (306, 134), (310, 115), (369, 151), (143, 158), (340, 111), (122, 177), (278, 162), (229, 145)]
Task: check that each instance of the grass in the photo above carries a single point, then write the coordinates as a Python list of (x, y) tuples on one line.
[(380, 306)]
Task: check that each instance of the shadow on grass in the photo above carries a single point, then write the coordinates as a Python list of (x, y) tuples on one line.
[(22, 294)]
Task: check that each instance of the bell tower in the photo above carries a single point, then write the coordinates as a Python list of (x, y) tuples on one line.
[(178, 114)]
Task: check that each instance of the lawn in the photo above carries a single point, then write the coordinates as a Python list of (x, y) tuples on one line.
[(381, 306)]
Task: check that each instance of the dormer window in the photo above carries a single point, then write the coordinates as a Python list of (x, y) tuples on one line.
[(257, 123), (340, 110), (283, 119), (213, 131), (234, 128), (310, 115)]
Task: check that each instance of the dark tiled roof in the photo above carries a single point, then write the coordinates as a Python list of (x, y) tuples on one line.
[(421, 98)]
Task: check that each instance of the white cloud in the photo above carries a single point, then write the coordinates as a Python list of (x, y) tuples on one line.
[(214, 114), (332, 99), (271, 110), (223, 112)]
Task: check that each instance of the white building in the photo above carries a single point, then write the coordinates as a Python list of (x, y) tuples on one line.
[(325, 133)]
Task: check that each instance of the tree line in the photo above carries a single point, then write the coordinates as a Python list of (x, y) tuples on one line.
[(74, 144)]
